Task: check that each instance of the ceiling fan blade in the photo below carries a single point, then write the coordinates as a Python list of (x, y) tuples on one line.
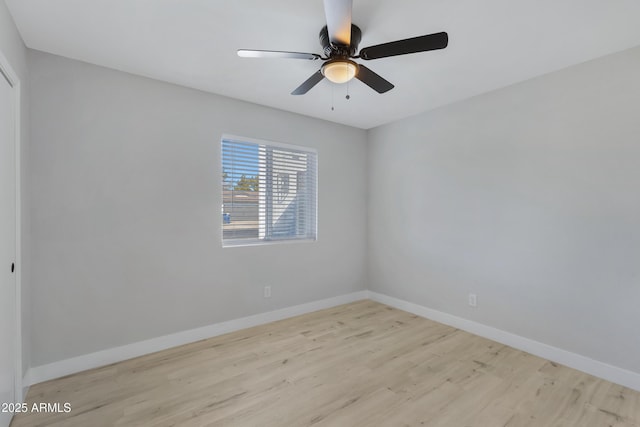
[(246, 53), (373, 80), (338, 13), (308, 84), (402, 47)]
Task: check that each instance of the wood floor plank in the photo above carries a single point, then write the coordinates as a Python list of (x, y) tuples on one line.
[(360, 364)]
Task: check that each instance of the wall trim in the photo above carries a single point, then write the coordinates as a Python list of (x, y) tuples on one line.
[(581, 363), (73, 365)]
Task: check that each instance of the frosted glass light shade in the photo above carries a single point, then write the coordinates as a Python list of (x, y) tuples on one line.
[(340, 71)]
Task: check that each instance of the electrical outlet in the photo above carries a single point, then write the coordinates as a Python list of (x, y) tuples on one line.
[(473, 300), (267, 291)]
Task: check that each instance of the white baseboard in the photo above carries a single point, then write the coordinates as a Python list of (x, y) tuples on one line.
[(61, 368), (593, 367), (25, 389)]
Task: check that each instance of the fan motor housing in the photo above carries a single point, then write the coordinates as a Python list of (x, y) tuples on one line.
[(340, 50)]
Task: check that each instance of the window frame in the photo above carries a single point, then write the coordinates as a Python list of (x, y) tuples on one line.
[(233, 243)]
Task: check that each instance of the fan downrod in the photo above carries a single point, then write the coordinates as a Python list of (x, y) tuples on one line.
[(340, 51)]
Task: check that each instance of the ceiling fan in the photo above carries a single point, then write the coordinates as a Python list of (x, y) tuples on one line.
[(339, 40)]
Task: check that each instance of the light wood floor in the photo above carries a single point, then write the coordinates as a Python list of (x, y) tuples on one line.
[(361, 364)]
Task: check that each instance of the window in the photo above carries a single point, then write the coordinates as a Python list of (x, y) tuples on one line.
[(268, 192)]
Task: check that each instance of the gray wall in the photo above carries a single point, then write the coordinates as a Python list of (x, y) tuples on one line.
[(126, 211), (528, 197), (14, 50)]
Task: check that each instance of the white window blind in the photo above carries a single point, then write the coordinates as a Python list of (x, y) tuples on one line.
[(269, 192)]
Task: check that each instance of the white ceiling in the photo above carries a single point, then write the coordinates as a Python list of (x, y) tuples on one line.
[(492, 43)]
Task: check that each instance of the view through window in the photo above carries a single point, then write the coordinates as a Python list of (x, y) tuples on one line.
[(269, 192)]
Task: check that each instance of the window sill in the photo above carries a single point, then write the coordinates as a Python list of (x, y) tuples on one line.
[(251, 242)]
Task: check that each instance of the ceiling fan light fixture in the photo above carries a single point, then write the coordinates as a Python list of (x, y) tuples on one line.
[(339, 70)]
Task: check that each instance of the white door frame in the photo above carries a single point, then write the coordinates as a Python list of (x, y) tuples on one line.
[(14, 81)]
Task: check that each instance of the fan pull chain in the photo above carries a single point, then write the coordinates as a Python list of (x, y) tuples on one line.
[(332, 88), (348, 97)]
